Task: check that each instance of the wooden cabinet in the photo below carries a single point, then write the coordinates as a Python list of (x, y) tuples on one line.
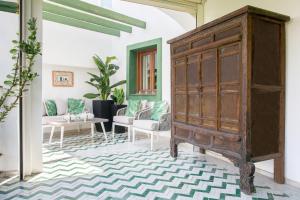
[(228, 89)]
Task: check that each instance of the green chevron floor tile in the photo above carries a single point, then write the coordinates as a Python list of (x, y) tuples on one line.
[(90, 168)]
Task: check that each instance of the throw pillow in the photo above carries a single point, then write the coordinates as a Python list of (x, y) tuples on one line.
[(133, 107), (50, 107), (159, 108), (75, 106), (61, 106), (44, 109), (144, 104)]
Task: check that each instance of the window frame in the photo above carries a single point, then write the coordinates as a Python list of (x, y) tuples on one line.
[(139, 79), (131, 86)]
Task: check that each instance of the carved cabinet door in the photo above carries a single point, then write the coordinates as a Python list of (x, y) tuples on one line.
[(229, 87), (193, 87), (208, 88), (180, 89)]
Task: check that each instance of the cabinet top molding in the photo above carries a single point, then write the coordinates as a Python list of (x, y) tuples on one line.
[(246, 9)]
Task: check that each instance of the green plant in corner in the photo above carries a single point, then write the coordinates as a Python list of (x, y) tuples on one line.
[(21, 76), (118, 96), (102, 81)]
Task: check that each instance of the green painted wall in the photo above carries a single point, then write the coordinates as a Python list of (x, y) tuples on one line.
[(131, 69)]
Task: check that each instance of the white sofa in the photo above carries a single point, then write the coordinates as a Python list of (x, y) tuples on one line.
[(62, 111)]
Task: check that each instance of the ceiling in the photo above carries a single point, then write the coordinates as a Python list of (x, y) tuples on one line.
[(81, 14), (88, 16), (190, 6)]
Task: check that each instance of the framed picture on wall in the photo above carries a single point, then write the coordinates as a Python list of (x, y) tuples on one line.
[(62, 79)]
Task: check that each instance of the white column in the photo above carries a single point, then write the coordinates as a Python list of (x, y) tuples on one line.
[(32, 103), (200, 14)]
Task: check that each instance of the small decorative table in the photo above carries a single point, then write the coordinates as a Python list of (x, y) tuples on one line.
[(63, 123)]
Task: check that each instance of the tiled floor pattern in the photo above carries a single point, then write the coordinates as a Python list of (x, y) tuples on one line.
[(89, 168)]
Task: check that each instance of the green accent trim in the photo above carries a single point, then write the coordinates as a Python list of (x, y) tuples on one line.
[(10, 7), (103, 12), (131, 69), (80, 24), (66, 12)]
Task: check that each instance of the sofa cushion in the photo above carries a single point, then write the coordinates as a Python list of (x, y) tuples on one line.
[(61, 106), (150, 104), (77, 117), (75, 106), (159, 108), (46, 119), (44, 109), (50, 107), (133, 107), (144, 104), (124, 119), (150, 125)]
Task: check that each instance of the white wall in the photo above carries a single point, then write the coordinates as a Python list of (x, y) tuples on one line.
[(9, 140), (67, 48), (216, 8), (79, 89), (74, 47), (161, 23), (71, 49)]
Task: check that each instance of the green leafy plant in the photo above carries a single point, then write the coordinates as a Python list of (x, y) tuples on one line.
[(118, 96), (102, 81), (21, 76)]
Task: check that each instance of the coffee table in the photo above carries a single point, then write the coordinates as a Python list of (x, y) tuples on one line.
[(63, 123)]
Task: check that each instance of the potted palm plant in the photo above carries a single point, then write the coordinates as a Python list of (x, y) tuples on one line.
[(102, 106)]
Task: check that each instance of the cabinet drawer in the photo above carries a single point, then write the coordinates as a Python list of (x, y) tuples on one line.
[(180, 48), (230, 143), (182, 133), (228, 32), (201, 139)]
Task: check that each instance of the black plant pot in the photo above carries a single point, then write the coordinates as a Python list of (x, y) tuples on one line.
[(115, 108), (103, 109)]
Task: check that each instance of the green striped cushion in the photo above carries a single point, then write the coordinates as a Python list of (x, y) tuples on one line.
[(159, 108), (75, 106), (50, 107), (133, 107)]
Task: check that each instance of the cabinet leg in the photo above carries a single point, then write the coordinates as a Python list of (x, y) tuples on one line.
[(201, 150), (174, 148), (279, 170), (247, 177)]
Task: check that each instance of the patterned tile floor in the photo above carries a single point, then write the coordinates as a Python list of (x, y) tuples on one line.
[(89, 168)]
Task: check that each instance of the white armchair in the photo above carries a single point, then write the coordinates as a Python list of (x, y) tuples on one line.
[(145, 124), (122, 120), (126, 121)]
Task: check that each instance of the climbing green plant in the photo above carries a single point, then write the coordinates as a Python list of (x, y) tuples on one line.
[(21, 76)]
